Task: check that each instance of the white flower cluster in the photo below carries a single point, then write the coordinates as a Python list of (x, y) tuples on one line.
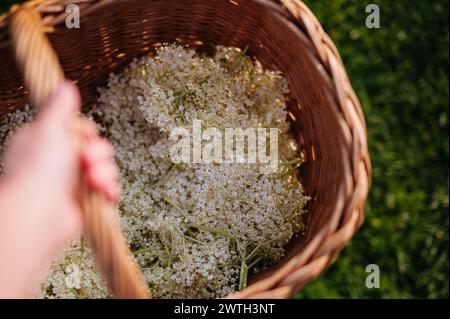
[(196, 230), (74, 274)]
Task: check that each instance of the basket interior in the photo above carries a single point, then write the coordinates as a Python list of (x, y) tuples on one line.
[(112, 35)]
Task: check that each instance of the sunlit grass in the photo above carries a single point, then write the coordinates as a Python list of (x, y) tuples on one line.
[(400, 73)]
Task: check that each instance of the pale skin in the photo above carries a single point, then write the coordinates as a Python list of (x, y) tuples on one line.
[(39, 206)]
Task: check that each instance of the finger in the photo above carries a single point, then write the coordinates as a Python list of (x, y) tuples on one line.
[(87, 128), (62, 105), (112, 192), (97, 151), (105, 181), (103, 178)]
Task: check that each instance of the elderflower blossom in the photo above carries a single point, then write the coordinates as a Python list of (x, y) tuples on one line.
[(196, 230)]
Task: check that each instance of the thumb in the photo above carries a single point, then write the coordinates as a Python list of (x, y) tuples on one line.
[(62, 105)]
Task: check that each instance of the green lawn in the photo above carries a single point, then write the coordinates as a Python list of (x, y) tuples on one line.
[(400, 73)]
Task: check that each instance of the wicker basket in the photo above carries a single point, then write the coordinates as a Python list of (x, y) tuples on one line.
[(283, 35)]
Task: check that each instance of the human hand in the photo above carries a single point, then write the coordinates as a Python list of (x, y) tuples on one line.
[(43, 167)]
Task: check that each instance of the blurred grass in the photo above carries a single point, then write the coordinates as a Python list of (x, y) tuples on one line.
[(400, 73)]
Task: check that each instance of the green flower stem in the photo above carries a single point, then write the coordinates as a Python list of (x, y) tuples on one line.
[(212, 230), (243, 275), (142, 251), (175, 205)]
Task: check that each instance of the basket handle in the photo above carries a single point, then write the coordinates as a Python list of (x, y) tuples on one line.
[(42, 75)]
